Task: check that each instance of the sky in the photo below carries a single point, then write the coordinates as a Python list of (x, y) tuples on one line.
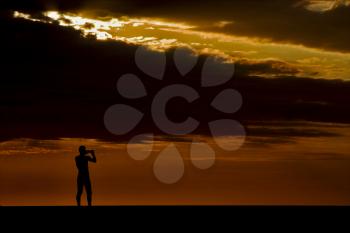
[(62, 60), (286, 67)]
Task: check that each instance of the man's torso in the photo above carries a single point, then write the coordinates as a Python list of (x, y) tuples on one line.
[(82, 164)]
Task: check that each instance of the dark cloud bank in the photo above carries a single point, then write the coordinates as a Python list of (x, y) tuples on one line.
[(55, 83), (278, 20)]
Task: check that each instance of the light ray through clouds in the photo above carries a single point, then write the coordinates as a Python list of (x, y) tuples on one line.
[(160, 35)]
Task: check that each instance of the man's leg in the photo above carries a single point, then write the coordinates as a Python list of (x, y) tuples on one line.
[(88, 191), (79, 190)]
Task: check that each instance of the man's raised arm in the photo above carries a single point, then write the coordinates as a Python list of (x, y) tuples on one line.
[(93, 159)]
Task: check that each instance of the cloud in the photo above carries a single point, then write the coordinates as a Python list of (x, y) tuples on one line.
[(282, 21), (265, 67), (165, 35), (56, 83), (323, 5), (285, 132)]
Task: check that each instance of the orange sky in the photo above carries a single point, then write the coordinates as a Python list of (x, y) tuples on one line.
[(266, 170)]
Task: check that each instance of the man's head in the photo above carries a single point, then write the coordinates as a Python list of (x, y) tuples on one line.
[(82, 150)]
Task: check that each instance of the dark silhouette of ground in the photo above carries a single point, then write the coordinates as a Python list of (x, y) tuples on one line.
[(83, 179)]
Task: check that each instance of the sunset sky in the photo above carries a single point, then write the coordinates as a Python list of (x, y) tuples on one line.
[(61, 60)]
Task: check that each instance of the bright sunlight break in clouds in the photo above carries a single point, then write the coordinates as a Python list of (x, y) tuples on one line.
[(160, 35)]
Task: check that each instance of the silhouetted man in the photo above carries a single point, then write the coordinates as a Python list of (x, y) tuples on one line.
[(82, 161)]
